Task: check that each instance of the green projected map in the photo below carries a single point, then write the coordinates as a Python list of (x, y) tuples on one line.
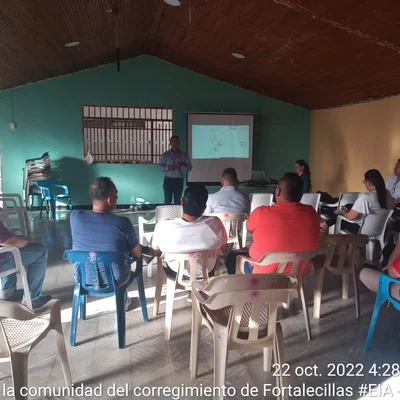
[(220, 141)]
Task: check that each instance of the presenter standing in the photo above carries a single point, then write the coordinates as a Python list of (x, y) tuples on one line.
[(174, 163)]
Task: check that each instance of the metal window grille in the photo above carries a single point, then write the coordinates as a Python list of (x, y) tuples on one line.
[(126, 134)]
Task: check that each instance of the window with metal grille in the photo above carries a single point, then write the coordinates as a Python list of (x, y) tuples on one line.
[(126, 134)]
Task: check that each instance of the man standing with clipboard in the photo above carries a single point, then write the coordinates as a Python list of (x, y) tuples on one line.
[(174, 163)]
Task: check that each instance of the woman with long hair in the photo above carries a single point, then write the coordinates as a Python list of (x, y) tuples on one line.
[(376, 198), (303, 170)]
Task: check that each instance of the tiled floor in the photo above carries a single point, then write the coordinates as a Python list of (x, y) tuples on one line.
[(150, 363)]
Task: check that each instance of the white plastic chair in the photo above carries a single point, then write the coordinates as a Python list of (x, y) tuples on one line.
[(235, 227), (338, 254), (299, 262), (4, 219), (179, 283), (18, 268), (241, 312), (373, 225), (344, 198), (20, 331), (260, 199), (161, 213), (311, 199), (17, 208)]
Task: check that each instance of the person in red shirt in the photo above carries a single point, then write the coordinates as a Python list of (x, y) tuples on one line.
[(287, 226)]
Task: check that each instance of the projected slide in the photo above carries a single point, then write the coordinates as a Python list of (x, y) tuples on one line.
[(220, 141)]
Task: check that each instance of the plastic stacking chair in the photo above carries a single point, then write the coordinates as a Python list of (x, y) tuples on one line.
[(17, 208), (18, 268), (373, 225), (344, 198), (235, 227), (161, 213), (20, 331), (312, 199), (240, 311), (93, 260), (339, 255), (383, 295), (180, 282), (298, 262), (4, 218), (260, 199), (50, 198)]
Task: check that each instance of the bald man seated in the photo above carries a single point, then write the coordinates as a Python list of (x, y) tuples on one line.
[(228, 198), (287, 226), (100, 230)]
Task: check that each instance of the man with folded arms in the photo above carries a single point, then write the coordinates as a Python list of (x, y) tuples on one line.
[(174, 164)]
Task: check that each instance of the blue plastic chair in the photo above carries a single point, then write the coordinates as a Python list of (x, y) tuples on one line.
[(48, 196), (382, 296), (82, 289)]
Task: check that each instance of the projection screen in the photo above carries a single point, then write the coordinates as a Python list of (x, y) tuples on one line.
[(218, 141)]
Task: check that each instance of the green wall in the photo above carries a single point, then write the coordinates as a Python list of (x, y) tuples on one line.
[(48, 118)]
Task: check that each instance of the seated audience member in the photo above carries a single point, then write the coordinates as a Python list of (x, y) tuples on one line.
[(100, 230), (34, 258), (303, 170), (370, 277), (376, 198), (194, 232), (228, 198), (287, 226), (393, 183)]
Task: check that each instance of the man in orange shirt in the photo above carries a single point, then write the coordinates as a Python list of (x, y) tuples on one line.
[(287, 226)]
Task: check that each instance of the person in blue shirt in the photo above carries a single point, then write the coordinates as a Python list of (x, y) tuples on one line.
[(100, 230), (303, 170), (174, 163)]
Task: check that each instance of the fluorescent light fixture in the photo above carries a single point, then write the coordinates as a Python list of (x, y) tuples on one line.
[(238, 55), (72, 44), (174, 3)]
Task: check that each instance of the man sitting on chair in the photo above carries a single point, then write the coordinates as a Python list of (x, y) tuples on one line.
[(370, 277), (287, 226), (34, 259), (191, 233), (393, 183), (100, 230), (228, 198)]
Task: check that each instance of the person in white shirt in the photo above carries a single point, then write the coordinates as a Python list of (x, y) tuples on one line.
[(191, 233), (229, 198), (377, 198), (393, 183)]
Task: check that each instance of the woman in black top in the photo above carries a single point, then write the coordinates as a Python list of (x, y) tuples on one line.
[(303, 170)]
